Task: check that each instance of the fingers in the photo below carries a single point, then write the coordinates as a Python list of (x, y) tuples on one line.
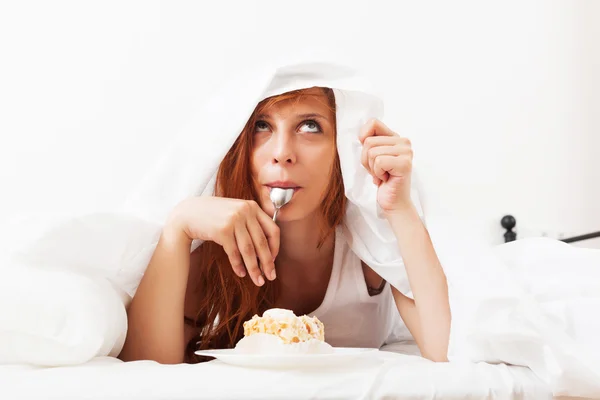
[(370, 153), (246, 248), (394, 148), (374, 127), (251, 240), (261, 247), (382, 165), (373, 142), (270, 230), (235, 258)]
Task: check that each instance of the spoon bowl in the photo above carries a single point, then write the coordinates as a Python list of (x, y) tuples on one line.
[(280, 197)]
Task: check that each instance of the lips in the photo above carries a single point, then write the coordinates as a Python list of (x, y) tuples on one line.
[(283, 185)]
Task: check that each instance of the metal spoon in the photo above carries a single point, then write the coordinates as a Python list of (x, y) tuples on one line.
[(280, 197)]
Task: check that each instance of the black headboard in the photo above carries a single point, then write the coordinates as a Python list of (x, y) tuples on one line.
[(509, 223)]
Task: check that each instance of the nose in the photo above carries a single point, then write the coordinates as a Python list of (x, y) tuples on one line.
[(284, 149)]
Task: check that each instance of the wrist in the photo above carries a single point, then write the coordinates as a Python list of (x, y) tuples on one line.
[(405, 208), (405, 223), (175, 228), (174, 234)]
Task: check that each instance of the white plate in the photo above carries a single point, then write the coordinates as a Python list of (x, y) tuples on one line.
[(340, 355)]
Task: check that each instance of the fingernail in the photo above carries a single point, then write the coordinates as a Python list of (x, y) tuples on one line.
[(260, 280), (242, 273), (273, 275)]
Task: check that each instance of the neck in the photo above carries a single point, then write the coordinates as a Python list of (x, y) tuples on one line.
[(303, 270), (298, 254)]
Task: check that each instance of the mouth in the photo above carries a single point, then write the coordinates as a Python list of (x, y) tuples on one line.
[(283, 185)]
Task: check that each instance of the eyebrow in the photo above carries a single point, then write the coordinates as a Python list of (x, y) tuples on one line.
[(309, 115)]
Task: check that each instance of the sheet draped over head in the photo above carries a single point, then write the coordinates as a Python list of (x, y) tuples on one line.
[(189, 167), (118, 244)]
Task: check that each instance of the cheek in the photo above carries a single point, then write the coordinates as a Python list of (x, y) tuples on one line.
[(257, 161), (321, 166)]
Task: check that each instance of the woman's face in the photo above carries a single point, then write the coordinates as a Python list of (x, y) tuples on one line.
[(294, 147)]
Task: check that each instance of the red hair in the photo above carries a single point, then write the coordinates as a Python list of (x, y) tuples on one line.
[(227, 300)]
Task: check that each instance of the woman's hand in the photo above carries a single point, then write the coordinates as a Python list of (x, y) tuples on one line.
[(388, 158), (246, 233)]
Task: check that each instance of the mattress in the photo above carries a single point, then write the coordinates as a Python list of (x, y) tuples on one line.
[(394, 372)]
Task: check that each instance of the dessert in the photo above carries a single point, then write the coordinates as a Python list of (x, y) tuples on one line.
[(281, 332), (286, 326)]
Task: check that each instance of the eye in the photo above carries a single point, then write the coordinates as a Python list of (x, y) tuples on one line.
[(311, 126), (261, 126)]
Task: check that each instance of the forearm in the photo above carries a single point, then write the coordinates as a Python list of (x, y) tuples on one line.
[(427, 281), (155, 315)]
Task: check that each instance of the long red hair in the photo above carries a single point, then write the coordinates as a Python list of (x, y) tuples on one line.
[(227, 300)]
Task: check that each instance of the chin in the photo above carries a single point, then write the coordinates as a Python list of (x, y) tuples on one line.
[(288, 213)]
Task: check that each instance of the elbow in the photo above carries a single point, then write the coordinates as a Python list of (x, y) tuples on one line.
[(161, 359), (164, 358), (436, 351), (436, 356), (169, 360)]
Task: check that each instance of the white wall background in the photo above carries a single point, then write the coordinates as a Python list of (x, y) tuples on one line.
[(500, 99), (590, 84)]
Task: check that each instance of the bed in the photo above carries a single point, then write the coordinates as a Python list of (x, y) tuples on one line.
[(394, 372), (509, 223)]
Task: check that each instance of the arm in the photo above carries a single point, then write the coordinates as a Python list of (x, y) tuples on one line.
[(155, 315), (388, 158), (427, 316)]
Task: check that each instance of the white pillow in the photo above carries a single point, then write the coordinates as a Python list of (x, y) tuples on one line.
[(107, 245), (52, 317)]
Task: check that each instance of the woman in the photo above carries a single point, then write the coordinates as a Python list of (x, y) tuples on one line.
[(248, 263)]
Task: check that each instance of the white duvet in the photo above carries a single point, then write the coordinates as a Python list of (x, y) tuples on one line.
[(382, 376), (533, 302), (65, 280)]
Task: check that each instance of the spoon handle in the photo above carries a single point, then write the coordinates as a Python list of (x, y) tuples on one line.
[(275, 214)]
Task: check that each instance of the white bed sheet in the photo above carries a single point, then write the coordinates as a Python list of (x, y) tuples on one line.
[(385, 374)]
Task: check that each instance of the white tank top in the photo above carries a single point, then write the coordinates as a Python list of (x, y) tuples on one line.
[(351, 316)]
